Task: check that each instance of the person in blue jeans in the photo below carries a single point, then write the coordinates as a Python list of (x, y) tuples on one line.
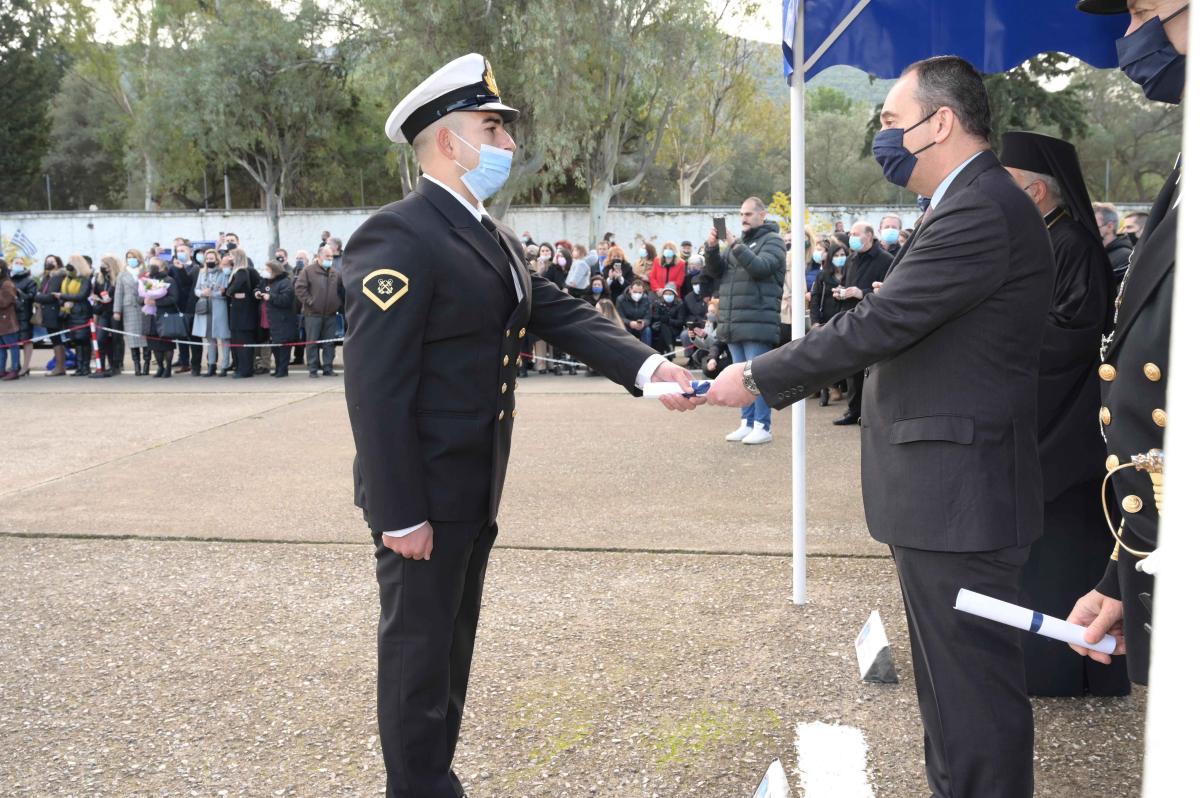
[(750, 273)]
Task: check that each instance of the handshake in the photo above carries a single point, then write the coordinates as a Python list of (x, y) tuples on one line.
[(727, 390)]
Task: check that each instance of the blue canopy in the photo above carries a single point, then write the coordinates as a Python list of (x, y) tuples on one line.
[(994, 35)]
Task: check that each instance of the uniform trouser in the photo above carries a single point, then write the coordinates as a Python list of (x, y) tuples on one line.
[(1064, 564), (1137, 640), (969, 673), (854, 394), (428, 612)]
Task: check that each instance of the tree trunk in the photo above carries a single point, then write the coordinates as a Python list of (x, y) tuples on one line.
[(149, 195), (274, 207), (601, 195), (685, 189)]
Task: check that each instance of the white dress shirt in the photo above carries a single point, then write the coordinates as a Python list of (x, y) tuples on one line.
[(644, 373)]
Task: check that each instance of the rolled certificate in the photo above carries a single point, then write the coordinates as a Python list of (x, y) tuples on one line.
[(1055, 628), (654, 390)]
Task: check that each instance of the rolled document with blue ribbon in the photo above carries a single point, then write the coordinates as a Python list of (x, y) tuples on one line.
[(653, 390), (1029, 620)]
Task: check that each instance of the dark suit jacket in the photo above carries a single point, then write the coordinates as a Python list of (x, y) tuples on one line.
[(949, 424), (435, 335), (865, 269)]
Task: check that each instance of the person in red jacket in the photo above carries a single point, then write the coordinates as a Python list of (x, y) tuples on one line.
[(670, 268)]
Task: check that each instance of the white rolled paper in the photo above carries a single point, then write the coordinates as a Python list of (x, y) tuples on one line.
[(654, 390), (1029, 620)]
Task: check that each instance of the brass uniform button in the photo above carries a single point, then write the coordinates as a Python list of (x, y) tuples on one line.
[(1131, 504), (508, 333), (501, 416), (1160, 417), (521, 334), (1108, 373), (1112, 462), (506, 361), (1152, 372), (1105, 416), (504, 387), (514, 415)]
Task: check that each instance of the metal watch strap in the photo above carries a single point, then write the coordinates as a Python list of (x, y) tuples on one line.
[(748, 379)]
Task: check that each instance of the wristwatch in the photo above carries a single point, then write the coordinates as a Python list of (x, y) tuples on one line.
[(748, 379)]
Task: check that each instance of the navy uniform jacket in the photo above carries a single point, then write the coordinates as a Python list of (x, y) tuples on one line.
[(949, 423), (434, 337), (1133, 415)]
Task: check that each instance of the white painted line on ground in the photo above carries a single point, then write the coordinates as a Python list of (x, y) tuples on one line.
[(831, 761)]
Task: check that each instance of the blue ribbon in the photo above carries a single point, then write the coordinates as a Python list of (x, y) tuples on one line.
[(1036, 623)]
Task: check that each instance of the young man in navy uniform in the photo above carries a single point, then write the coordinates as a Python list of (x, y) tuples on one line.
[(439, 307), (1134, 367)]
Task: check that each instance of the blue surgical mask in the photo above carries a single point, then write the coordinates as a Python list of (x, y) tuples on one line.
[(819, 256), (889, 150), (669, 298), (131, 263), (889, 236), (597, 290), (642, 254), (839, 261), (226, 269), (696, 289), (492, 172), (856, 243), (668, 253), (1148, 58), (326, 264)]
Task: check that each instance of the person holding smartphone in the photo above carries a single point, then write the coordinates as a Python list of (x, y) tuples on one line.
[(751, 274)]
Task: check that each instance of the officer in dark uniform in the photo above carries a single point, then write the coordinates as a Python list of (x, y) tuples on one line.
[(1134, 368), (439, 305), (1069, 558)]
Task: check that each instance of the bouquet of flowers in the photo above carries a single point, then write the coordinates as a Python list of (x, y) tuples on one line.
[(150, 290)]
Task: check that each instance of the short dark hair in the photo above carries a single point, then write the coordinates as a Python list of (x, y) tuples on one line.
[(951, 82)]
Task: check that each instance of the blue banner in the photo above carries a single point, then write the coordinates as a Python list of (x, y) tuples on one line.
[(885, 36)]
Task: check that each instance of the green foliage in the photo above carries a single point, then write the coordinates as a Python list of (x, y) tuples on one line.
[(86, 161), (32, 63)]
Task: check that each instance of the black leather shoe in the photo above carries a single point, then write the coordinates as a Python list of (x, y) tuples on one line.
[(846, 421), (824, 401)]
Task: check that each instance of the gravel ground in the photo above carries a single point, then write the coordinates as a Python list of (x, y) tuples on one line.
[(145, 668)]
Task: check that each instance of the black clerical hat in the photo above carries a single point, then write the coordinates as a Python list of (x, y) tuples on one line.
[(1046, 155), (1103, 6)]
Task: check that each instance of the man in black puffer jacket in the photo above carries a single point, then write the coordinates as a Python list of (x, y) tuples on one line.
[(750, 274), (868, 266)]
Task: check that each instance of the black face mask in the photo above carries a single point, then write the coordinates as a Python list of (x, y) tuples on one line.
[(212, 264), (70, 270)]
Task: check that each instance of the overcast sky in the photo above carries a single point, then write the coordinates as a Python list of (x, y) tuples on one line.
[(764, 26)]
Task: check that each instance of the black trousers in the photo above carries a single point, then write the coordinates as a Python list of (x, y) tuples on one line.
[(243, 358), (428, 612), (854, 393), (1064, 564), (970, 674)]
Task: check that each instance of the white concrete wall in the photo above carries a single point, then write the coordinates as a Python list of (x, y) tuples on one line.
[(112, 232)]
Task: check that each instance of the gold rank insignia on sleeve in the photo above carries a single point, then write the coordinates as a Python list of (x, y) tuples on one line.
[(384, 287)]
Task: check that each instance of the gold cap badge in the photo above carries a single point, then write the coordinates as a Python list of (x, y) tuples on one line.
[(489, 79)]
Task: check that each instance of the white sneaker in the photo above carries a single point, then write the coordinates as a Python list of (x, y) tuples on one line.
[(760, 434), (740, 433)]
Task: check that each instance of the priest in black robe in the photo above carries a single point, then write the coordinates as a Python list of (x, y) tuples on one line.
[(1068, 560)]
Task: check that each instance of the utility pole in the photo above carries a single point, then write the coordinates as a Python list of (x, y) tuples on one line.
[(49, 204), (228, 204)]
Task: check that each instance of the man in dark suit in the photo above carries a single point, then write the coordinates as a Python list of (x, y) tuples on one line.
[(951, 479), (866, 268), (1135, 366), (439, 303)]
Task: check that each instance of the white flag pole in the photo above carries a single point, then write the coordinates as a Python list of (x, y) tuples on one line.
[(799, 498), (1172, 703)]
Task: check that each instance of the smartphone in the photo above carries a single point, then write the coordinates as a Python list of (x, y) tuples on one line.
[(719, 224)]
